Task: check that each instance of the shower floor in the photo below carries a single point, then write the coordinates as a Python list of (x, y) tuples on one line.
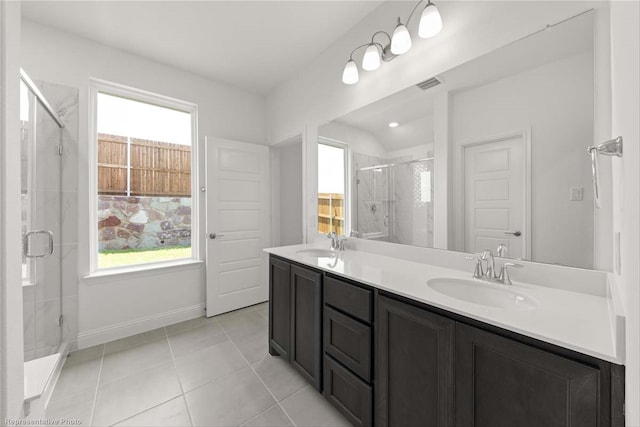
[(37, 373)]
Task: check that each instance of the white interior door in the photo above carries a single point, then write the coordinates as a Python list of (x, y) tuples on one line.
[(237, 225), (495, 192)]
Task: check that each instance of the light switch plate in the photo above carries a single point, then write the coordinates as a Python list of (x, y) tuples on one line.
[(576, 194)]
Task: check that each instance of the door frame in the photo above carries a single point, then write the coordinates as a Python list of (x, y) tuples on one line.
[(274, 165), (459, 185)]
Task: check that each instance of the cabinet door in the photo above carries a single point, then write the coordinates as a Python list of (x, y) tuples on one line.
[(414, 366), (348, 341), (306, 324), (279, 307), (348, 393), (501, 382)]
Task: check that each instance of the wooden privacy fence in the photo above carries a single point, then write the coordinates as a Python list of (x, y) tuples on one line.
[(331, 213), (138, 167)]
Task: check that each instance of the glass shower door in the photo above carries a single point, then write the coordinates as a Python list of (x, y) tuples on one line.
[(40, 184), (372, 203)]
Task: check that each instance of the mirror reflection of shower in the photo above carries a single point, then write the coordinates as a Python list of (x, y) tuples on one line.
[(394, 202)]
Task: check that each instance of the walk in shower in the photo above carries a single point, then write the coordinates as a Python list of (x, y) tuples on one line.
[(394, 202), (41, 190)]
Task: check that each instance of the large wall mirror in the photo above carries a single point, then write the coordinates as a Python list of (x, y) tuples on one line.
[(490, 154)]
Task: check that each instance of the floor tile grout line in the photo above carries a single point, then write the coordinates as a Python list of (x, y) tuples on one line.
[(95, 396), (173, 359), (258, 376), (258, 414), (164, 401), (297, 392), (145, 410), (151, 366)]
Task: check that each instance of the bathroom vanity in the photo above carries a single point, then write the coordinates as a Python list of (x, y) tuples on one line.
[(387, 348)]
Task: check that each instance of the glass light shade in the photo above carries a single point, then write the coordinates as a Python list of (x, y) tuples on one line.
[(401, 40), (371, 59), (350, 73), (430, 22)]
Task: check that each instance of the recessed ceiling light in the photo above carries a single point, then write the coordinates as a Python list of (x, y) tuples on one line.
[(393, 124)]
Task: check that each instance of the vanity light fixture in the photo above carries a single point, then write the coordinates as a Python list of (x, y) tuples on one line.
[(371, 58), (393, 124), (398, 43), (401, 40), (350, 73), (430, 21)]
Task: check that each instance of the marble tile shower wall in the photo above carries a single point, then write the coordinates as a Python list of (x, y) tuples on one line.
[(56, 195), (412, 217)]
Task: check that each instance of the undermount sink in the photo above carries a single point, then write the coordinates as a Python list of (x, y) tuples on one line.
[(482, 293), (318, 253)]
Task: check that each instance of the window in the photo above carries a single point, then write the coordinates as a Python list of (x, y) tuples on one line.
[(331, 187), (144, 152)]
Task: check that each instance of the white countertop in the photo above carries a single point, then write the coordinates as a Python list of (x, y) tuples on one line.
[(578, 321)]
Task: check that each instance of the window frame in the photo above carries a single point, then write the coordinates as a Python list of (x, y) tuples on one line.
[(97, 86), (347, 181)]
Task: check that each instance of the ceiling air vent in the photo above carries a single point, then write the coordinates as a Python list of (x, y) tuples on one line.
[(429, 83)]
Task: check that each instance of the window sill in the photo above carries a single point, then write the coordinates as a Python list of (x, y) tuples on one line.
[(143, 270)]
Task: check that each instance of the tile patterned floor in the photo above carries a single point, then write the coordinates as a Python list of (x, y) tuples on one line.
[(203, 372)]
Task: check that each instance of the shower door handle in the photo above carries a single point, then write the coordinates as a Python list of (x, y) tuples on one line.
[(26, 247)]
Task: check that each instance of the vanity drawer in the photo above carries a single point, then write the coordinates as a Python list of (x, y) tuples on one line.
[(348, 341), (348, 393), (352, 299)]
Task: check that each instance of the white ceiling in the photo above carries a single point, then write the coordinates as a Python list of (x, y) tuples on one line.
[(255, 45)]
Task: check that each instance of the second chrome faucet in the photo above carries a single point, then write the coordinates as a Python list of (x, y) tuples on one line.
[(337, 242), (488, 270)]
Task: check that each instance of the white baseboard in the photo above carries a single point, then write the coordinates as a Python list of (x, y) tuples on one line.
[(137, 326)]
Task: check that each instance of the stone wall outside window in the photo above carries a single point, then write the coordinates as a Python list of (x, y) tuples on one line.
[(133, 222)]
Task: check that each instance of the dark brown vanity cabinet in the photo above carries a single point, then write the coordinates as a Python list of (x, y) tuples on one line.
[(414, 366), (504, 383), (401, 363), (348, 348), (295, 317), (306, 324), (279, 307), (436, 370)]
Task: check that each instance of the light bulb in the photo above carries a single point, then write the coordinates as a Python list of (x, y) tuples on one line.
[(394, 124), (350, 73), (430, 21), (371, 59), (401, 39)]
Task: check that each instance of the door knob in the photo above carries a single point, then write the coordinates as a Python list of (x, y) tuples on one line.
[(515, 233), (214, 235)]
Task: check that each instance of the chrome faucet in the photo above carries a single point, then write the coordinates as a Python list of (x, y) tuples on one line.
[(502, 248), (504, 272), (337, 242), (489, 273), (478, 273)]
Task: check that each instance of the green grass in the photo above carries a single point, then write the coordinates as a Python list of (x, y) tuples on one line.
[(119, 258)]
